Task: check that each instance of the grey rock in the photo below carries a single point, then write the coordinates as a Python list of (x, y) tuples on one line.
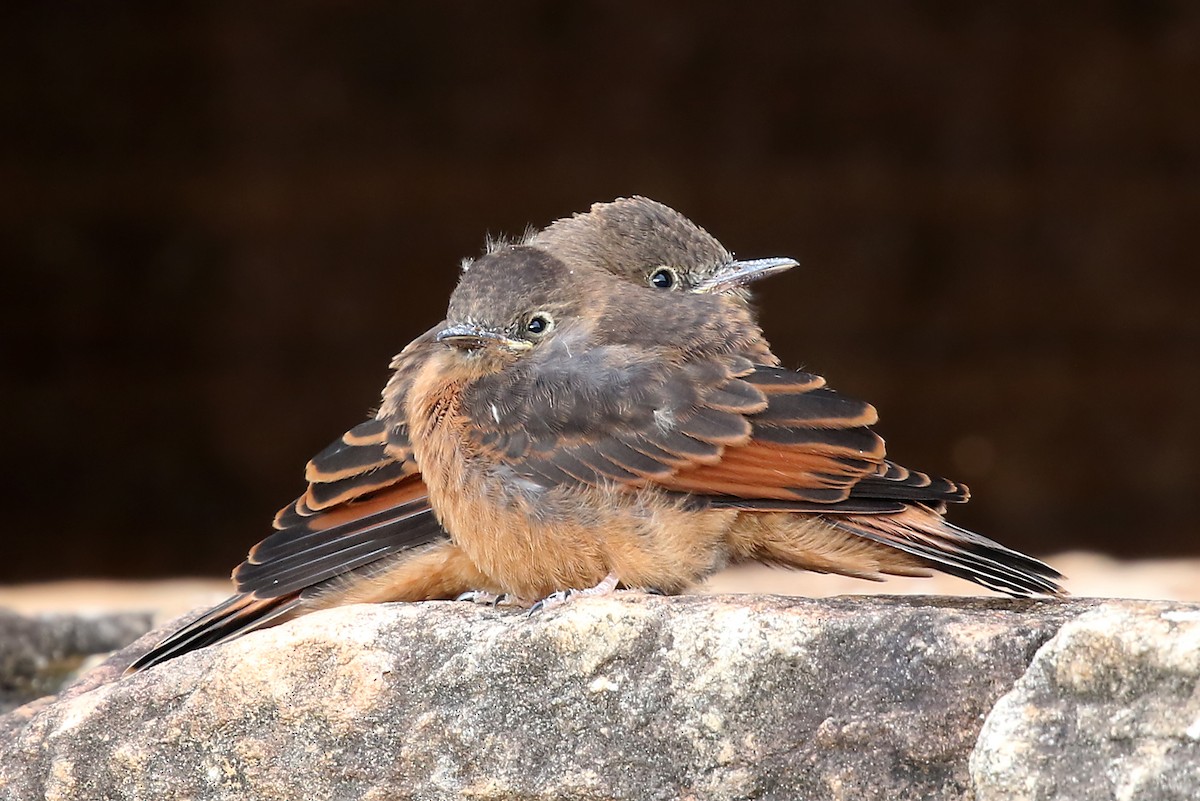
[(39, 654), (1110, 708), (629, 697)]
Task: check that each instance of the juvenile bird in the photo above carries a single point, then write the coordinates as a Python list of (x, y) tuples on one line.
[(576, 433), (363, 531)]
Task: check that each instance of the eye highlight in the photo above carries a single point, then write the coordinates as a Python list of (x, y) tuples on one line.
[(539, 324), (664, 278)]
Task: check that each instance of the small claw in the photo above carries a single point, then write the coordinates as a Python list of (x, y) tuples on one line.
[(483, 597), (605, 587), (550, 601)]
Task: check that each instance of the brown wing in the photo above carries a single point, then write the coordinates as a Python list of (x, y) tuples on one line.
[(719, 427), (373, 455), (365, 500), (344, 538), (369, 457), (807, 444), (363, 508), (365, 504)]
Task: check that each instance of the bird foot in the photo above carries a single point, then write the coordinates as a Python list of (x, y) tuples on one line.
[(559, 598), (482, 597)]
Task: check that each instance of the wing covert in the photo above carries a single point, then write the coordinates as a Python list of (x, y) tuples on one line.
[(721, 426)]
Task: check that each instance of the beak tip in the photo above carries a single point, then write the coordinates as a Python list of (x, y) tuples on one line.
[(460, 336), (470, 337), (740, 273)]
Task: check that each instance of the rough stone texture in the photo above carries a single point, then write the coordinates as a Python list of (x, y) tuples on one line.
[(1110, 708), (39, 654), (628, 697)]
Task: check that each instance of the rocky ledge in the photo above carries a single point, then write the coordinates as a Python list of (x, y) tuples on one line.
[(641, 697)]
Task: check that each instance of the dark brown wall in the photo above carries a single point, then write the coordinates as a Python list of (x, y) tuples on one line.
[(218, 222)]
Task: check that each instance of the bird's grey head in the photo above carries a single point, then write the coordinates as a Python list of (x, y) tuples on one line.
[(510, 299), (648, 243)]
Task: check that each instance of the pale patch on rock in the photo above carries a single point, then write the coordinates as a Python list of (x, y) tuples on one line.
[(603, 684), (1106, 710)]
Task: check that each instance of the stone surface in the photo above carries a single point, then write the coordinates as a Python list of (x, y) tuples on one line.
[(38, 654), (627, 697), (1110, 708)]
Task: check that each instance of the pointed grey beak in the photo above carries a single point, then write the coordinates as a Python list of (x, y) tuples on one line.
[(739, 273), (473, 337)]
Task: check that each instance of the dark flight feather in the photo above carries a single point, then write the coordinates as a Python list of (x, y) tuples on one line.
[(351, 536), (237, 615), (956, 551)]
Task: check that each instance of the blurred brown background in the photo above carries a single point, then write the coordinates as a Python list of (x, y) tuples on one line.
[(218, 221)]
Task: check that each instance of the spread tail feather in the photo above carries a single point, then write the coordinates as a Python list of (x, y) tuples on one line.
[(231, 618), (944, 546)]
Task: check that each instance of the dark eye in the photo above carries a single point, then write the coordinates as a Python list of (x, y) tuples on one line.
[(538, 324), (663, 278)]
